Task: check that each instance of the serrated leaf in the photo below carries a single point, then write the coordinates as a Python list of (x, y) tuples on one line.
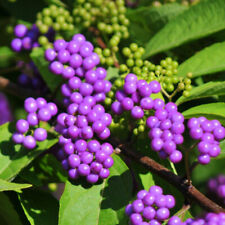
[(209, 60), (112, 73), (40, 207), (52, 80), (211, 111), (6, 56), (13, 157), (98, 204), (8, 213), (146, 21), (198, 21), (8, 186), (206, 90)]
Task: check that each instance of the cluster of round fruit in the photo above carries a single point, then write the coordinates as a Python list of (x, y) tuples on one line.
[(166, 128), (107, 16), (86, 159), (27, 39), (38, 110), (95, 122), (105, 56), (5, 111), (135, 96), (208, 133), (165, 73), (30, 78), (216, 188), (72, 58), (54, 17), (207, 219), (151, 207)]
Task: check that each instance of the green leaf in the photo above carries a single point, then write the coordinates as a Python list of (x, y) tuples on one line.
[(198, 21), (222, 154), (211, 111), (112, 73), (206, 90), (13, 157), (102, 203), (8, 186), (44, 170), (8, 213), (6, 56), (146, 21), (40, 207), (52, 80), (209, 60)]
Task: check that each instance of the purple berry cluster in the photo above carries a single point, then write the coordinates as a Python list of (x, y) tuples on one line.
[(75, 57), (38, 110), (135, 96), (216, 187), (151, 207), (208, 219), (86, 159), (166, 128), (27, 39), (208, 133)]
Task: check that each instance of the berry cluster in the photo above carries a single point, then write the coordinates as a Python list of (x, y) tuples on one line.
[(105, 56), (72, 58), (208, 219), (107, 16), (165, 73), (86, 159), (135, 96), (27, 39), (56, 18), (5, 111), (151, 207), (38, 110), (166, 128), (208, 133), (216, 188)]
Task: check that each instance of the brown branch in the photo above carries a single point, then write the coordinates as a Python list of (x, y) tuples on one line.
[(188, 190)]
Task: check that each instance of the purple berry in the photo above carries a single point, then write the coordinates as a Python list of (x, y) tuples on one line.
[(29, 142), (22, 126), (40, 134)]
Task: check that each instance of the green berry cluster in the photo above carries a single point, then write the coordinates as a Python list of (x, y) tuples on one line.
[(107, 16), (105, 56), (54, 17)]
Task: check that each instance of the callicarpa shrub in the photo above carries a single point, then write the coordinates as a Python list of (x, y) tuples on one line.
[(107, 115)]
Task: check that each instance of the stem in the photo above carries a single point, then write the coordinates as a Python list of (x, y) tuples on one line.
[(189, 191), (186, 161), (174, 93), (165, 93), (116, 63)]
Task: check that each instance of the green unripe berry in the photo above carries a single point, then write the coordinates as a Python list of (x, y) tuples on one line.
[(169, 67), (126, 51), (108, 101), (43, 28), (169, 73), (158, 67), (175, 64), (102, 60), (141, 128), (48, 21), (189, 75), (163, 63), (137, 55), (109, 29), (174, 71), (187, 81), (138, 62), (109, 61), (101, 26), (168, 80), (134, 47), (175, 80), (137, 70), (181, 86), (113, 42), (186, 93), (135, 131), (123, 68), (170, 87), (118, 83), (106, 52), (157, 72), (145, 69), (130, 62), (42, 40), (111, 94), (169, 60), (115, 48), (188, 87), (46, 12)]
